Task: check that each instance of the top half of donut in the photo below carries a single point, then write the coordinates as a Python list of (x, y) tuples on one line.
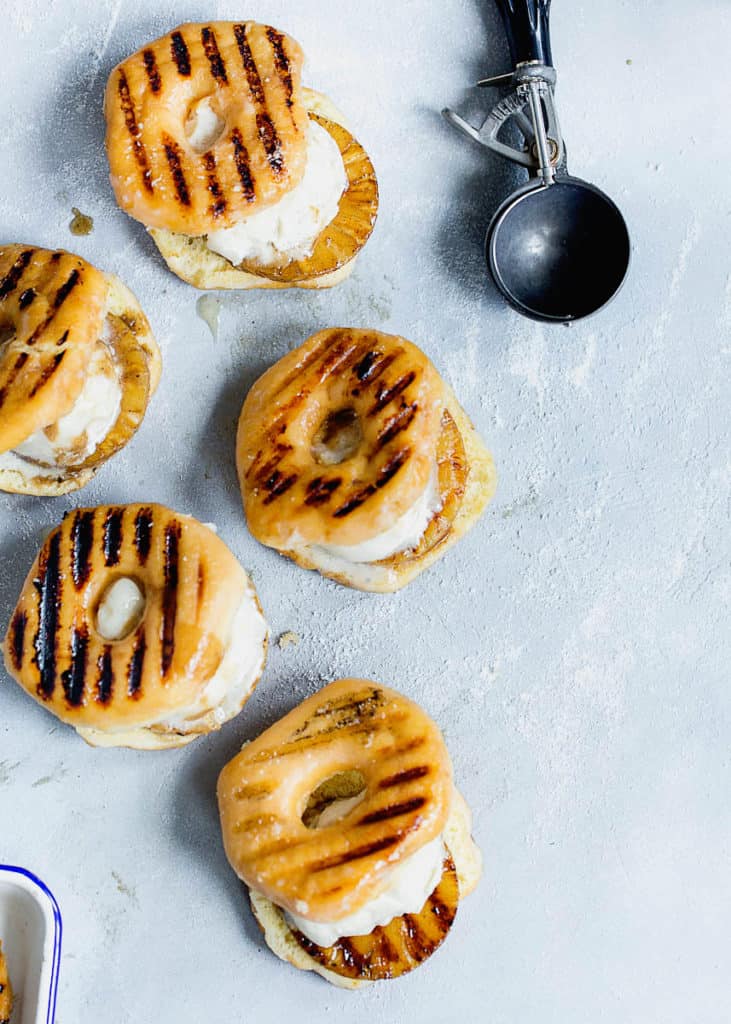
[(251, 76)]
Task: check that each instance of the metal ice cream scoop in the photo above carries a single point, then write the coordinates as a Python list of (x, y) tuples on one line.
[(558, 248)]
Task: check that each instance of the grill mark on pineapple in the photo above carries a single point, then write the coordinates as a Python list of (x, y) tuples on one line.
[(267, 132), (82, 542), (173, 154), (130, 120), (394, 811), (218, 205), (180, 54), (105, 676), (400, 778), (136, 662), (170, 594), (74, 678), (112, 541), (355, 854), (143, 534), (10, 282), (17, 639), (416, 943), (49, 587), (241, 159), (281, 62), (215, 60), (153, 75)]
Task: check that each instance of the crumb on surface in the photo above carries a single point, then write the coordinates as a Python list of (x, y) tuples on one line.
[(288, 639)]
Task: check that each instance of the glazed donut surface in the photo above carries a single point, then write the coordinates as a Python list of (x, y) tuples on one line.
[(192, 585), (383, 394), (51, 312), (251, 73), (350, 725)]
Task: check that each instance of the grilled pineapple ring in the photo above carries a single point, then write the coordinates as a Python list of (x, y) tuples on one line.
[(338, 439), (6, 991), (192, 586), (345, 236), (350, 725)]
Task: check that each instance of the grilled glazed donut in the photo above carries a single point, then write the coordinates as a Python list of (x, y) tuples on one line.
[(350, 725), (252, 74), (376, 396), (192, 586), (6, 991)]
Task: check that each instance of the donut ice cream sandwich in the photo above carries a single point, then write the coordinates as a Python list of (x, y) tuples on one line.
[(344, 822), (137, 626), (78, 365), (356, 459), (243, 178), (6, 991)]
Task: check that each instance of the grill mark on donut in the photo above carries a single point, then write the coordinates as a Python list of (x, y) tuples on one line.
[(130, 120), (16, 368), (201, 586), (394, 811), (10, 282), (215, 60), (153, 75), (26, 298), (112, 542), (400, 778), (63, 339), (143, 534), (367, 705), (320, 490), (47, 373), (255, 823), (82, 540), (355, 501), (49, 588), (219, 201), (401, 421), (281, 62), (17, 638), (134, 669), (66, 288), (241, 159), (372, 366), (173, 154), (74, 678), (256, 792), (180, 54), (170, 594), (314, 740), (267, 132), (356, 853), (277, 485), (391, 468), (386, 393), (339, 355), (271, 143), (252, 74), (105, 676)]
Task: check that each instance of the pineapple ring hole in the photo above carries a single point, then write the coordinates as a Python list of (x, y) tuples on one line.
[(121, 608), (338, 437), (204, 126), (345, 789)]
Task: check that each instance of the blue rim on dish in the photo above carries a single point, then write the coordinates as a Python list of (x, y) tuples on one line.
[(57, 933)]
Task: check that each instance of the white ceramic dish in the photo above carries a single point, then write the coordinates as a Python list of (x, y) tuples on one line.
[(30, 930)]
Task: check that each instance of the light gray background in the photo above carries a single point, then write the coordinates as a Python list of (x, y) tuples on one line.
[(573, 647)]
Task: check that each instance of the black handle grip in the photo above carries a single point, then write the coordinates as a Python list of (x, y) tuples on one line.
[(526, 26)]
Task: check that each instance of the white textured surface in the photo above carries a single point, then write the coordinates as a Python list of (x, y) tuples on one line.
[(573, 647)]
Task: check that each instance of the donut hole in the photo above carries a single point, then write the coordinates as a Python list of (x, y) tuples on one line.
[(204, 126), (334, 798), (120, 608), (338, 437)]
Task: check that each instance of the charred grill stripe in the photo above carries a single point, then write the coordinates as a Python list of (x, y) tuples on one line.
[(201, 585), (219, 201), (386, 951), (441, 910), (267, 132), (389, 471), (66, 288), (134, 670), (49, 603), (17, 638), (315, 740), (368, 703), (271, 143), (210, 47), (153, 75), (354, 502), (173, 154), (113, 535), (416, 944), (170, 594), (247, 58), (355, 854), (373, 364), (10, 282), (74, 678), (394, 811), (63, 339), (47, 373), (82, 540), (130, 120), (401, 421), (143, 534), (105, 677), (409, 775), (320, 491), (278, 484), (352, 957), (386, 393), (241, 159), (26, 298), (180, 54), (281, 62)]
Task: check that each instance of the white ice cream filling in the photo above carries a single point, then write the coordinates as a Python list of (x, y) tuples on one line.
[(204, 126), (404, 535), (409, 886), (120, 609), (290, 228)]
